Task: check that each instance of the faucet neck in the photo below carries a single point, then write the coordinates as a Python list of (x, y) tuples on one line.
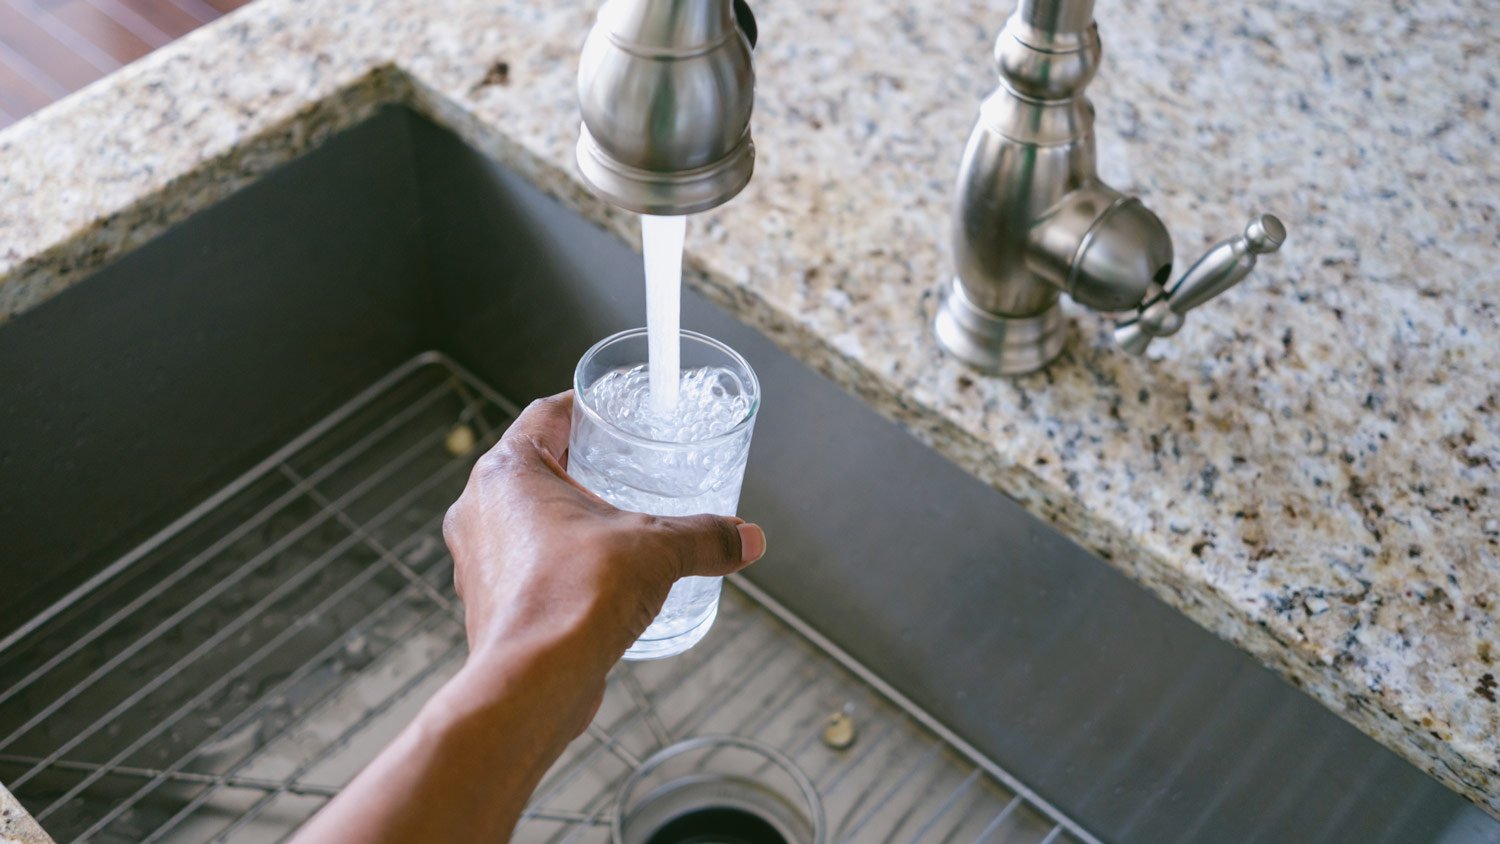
[(1049, 49), (1057, 17)]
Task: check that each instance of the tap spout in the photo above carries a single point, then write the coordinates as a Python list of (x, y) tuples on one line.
[(666, 88)]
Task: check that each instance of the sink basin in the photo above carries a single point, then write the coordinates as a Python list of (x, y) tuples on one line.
[(396, 281)]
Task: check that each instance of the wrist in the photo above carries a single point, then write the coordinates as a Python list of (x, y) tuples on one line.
[(550, 683), (583, 638)]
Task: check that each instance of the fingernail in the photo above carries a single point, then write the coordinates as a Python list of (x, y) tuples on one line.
[(752, 542)]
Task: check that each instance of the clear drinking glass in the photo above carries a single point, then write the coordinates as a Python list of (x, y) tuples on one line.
[(664, 476)]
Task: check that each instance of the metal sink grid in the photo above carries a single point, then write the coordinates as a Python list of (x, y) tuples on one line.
[(221, 681)]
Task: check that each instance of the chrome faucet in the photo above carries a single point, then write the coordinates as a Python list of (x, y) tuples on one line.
[(1032, 220), (666, 88)]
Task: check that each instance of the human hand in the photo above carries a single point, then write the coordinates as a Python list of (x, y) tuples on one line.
[(556, 584), (538, 558)]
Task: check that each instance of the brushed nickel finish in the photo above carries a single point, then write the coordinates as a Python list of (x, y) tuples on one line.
[(666, 88), (1032, 220)]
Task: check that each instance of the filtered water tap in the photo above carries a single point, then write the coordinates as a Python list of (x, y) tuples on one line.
[(666, 88), (1032, 220)]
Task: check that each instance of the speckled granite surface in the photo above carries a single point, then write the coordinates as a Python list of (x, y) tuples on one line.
[(17, 827), (1308, 469)]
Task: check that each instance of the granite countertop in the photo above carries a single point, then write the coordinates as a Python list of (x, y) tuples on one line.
[(16, 826), (1308, 469)]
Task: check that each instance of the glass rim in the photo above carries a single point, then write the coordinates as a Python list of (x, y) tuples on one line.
[(685, 334)]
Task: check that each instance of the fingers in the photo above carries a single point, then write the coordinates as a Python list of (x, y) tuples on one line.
[(712, 546), (545, 424)]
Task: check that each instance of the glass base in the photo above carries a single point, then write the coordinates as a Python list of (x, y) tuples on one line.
[(663, 648)]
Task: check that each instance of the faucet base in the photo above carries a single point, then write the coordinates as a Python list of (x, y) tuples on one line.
[(996, 344)]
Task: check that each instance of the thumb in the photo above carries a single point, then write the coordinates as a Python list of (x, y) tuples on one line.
[(712, 546)]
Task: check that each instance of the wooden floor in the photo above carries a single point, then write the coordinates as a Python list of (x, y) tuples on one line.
[(50, 48)]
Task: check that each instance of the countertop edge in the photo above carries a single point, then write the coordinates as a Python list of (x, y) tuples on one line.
[(16, 825), (120, 230)]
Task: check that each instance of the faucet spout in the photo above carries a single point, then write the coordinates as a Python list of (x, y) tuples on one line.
[(666, 88)]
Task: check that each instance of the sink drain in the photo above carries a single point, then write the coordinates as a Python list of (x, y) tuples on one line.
[(718, 790), (721, 825)]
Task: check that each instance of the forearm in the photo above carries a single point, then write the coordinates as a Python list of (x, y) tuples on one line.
[(463, 769), (556, 584)]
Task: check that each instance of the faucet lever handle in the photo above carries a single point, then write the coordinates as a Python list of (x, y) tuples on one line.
[(1224, 265)]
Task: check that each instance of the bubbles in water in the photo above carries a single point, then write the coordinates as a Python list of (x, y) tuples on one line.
[(711, 401)]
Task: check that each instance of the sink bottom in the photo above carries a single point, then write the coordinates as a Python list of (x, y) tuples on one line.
[(223, 680)]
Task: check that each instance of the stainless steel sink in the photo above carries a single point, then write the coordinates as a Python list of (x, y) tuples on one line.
[(221, 464)]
